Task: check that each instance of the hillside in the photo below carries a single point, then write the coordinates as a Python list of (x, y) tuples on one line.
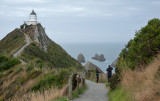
[(12, 42), (30, 62), (41, 47), (137, 68)]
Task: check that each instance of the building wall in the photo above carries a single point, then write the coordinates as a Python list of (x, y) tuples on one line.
[(32, 18), (31, 22)]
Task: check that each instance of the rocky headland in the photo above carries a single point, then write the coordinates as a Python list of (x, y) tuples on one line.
[(91, 66)]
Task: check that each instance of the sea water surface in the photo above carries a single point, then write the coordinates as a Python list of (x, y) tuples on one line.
[(109, 50)]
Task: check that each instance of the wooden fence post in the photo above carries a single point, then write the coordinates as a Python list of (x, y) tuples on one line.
[(101, 76), (78, 77), (82, 79), (70, 87)]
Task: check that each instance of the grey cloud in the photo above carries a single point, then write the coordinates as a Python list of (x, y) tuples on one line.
[(110, 20)]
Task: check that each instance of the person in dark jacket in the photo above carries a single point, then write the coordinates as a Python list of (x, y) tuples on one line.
[(97, 74), (109, 72)]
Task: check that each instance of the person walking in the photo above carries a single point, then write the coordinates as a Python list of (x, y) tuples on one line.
[(109, 72), (97, 74)]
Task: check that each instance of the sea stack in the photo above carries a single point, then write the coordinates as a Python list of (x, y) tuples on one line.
[(99, 58), (81, 58)]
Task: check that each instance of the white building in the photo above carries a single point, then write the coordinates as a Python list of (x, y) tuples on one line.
[(32, 19)]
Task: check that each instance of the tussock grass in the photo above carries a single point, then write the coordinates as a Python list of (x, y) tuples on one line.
[(47, 95), (142, 83)]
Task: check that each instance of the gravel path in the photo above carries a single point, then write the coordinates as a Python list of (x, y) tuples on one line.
[(22, 48), (94, 92)]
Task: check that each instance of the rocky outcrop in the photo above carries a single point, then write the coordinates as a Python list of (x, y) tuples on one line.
[(100, 57), (114, 63), (81, 58), (37, 33), (91, 66), (41, 38)]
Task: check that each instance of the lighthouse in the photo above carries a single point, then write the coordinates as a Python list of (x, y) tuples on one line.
[(32, 19)]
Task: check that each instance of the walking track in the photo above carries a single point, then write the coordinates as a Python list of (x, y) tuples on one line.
[(22, 48), (94, 92)]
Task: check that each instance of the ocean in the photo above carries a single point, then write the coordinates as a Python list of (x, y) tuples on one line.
[(109, 50)]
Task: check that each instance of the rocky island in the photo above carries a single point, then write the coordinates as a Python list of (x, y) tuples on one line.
[(81, 58), (99, 58)]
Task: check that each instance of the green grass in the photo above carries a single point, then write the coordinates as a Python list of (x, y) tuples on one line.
[(119, 94), (61, 99), (107, 84)]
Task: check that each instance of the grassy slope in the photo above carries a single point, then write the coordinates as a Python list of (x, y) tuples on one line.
[(56, 56), (12, 42), (59, 57)]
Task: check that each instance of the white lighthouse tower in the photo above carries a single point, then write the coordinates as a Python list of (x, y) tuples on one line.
[(32, 19)]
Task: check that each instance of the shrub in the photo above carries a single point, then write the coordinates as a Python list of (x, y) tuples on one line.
[(143, 47), (64, 73), (114, 81), (8, 63), (48, 82), (3, 59), (38, 62), (57, 80), (21, 80), (18, 70), (29, 67), (33, 74)]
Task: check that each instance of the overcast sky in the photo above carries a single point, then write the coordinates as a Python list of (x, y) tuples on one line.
[(81, 20)]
